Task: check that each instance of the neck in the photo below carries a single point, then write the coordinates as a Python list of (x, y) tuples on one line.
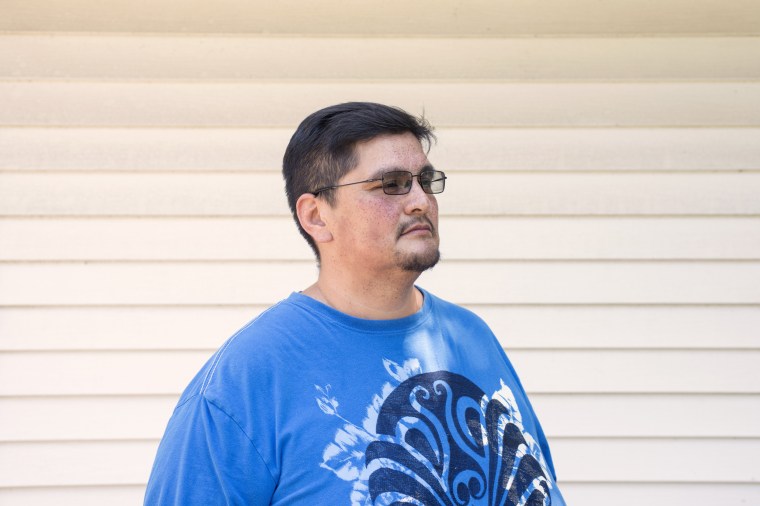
[(373, 298)]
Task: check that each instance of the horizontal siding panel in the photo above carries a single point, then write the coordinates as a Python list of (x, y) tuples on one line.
[(460, 282), (285, 104), (632, 460), (544, 371), (155, 149), (638, 371), (684, 327), (124, 495), (464, 238), (85, 418), (113, 57), (155, 239), (76, 464), (608, 194), (394, 17), (581, 238), (142, 194), (592, 149), (672, 494), (123, 328), (96, 418), (603, 282), (517, 327), (544, 194), (98, 373), (648, 416), (148, 284), (625, 461), (459, 149)]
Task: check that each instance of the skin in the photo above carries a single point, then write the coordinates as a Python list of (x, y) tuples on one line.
[(374, 246)]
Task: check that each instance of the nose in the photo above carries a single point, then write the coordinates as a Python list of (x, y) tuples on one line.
[(417, 201)]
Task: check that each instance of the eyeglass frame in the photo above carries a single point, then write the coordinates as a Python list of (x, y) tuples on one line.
[(382, 178)]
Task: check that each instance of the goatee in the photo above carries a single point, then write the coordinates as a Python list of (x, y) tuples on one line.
[(420, 262)]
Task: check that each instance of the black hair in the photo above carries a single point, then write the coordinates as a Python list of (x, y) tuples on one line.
[(322, 149)]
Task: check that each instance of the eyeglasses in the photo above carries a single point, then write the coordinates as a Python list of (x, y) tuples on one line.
[(399, 182)]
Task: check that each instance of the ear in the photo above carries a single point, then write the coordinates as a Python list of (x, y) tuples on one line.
[(310, 214)]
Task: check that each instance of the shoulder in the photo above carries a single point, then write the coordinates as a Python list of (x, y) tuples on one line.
[(275, 328), (454, 314), (250, 355)]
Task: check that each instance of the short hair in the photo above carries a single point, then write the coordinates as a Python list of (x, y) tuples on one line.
[(322, 149)]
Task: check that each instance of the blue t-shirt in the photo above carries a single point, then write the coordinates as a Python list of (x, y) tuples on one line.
[(306, 405)]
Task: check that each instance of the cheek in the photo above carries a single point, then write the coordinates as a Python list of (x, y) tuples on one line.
[(433, 212), (386, 213), (373, 207), (379, 219)]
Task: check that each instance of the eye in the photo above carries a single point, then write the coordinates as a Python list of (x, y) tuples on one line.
[(391, 183), (397, 182)]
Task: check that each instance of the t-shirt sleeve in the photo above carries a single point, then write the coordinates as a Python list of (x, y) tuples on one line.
[(205, 458)]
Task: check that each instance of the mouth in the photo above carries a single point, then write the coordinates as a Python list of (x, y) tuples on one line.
[(420, 227)]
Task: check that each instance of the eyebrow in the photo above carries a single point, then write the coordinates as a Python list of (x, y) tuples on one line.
[(378, 174)]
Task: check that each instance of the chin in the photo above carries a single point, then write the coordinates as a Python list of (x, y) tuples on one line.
[(419, 262)]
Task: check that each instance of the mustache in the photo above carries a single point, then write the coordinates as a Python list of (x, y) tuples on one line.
[(422, 220)]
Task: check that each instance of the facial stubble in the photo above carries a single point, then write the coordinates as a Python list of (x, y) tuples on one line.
[(418, 262)]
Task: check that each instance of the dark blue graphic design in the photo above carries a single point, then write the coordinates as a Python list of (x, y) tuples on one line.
[(448, 444)]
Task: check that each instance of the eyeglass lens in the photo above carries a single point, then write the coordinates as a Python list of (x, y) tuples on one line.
[(399, 182)]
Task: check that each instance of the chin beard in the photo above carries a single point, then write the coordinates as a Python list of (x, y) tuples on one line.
[(420, 262)]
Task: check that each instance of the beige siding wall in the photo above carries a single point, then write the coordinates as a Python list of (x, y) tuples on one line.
[(603, 215)]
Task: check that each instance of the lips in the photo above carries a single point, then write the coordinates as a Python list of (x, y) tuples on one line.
[(423, 225)]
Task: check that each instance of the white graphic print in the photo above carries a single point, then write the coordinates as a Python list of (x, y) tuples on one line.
[(436, 439)]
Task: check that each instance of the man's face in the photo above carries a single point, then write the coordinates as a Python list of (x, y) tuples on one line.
[(375, 232)]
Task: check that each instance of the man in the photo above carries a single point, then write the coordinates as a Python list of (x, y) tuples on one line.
[(363, 388)]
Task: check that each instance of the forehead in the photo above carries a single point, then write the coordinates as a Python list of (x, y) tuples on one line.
[(389, 152)]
